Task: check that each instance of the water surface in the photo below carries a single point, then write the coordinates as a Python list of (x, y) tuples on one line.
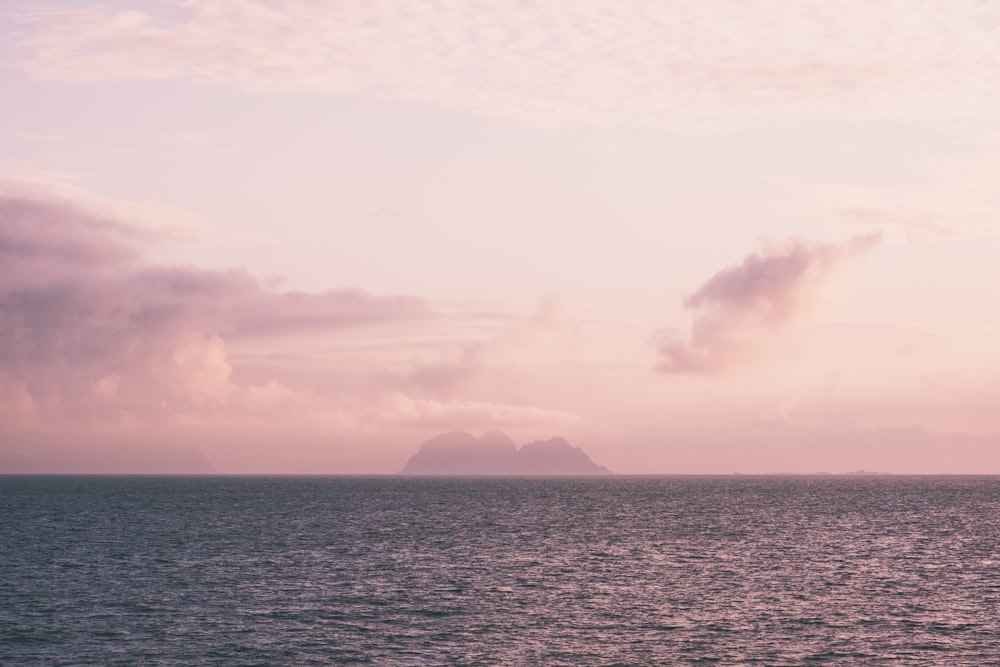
[(411, 571)]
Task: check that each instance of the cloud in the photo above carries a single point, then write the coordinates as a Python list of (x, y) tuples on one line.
[(287, 312), (50, 231), (628, 62), (91, 329), (101, 344), (131, 222), (740, 307), (58, 232), (539, 339)]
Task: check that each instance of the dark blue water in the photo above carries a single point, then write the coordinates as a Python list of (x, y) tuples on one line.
[(396, 571)]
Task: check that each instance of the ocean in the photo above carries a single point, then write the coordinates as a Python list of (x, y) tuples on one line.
[(771, 570)]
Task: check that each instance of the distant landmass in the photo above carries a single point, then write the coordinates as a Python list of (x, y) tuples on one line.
[(494, 453)]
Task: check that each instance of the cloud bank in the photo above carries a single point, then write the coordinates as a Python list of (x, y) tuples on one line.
[(110, 357), (628, 62), (89, 328), (740, 307)]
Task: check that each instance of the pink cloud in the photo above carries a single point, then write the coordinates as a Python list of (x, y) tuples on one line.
[(99, 344), (270, 313), (738, 308), (55, 231), (447, 376), (47, 240), (90, 328), (540, 338), (625, 62)]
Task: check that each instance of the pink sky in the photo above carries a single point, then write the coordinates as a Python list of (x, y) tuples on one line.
[(691, 236)]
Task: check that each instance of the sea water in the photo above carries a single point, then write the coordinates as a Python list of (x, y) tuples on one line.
[(466, 571)]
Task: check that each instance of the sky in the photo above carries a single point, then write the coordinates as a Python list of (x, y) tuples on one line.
[(689, 236)]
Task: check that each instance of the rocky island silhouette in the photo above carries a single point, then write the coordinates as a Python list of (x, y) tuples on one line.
[(494, 453)]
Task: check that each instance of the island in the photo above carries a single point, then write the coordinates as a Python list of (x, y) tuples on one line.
[(494, 453)]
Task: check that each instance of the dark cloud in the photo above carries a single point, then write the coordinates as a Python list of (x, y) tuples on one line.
[(741, 305)]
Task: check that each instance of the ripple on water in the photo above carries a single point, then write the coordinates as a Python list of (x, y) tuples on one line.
[(395, 571)]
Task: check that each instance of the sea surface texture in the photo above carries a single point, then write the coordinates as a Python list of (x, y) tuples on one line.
[(423, 571)]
